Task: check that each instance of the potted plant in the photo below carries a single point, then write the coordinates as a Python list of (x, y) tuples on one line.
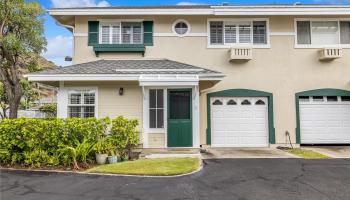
[(112, 158), (102, 147)]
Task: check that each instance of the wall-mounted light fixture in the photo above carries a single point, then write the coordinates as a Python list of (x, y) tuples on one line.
[(121, 91)]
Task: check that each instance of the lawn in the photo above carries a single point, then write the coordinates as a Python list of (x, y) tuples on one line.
[(307, 154), (151, 167)]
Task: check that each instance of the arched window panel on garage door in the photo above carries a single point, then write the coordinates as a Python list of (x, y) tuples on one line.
[(246, 102), (217, 102), (259, 102), (231, 102)]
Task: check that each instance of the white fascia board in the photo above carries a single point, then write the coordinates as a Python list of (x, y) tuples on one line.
[(201, 11), (283, 11), (81, 77), (214, 10), (116, 77)]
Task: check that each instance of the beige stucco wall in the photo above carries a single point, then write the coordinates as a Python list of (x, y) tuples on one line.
[(282, 69), (111, 104)]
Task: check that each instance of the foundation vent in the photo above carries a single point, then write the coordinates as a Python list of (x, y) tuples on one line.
[(242, 53), (330, 53)]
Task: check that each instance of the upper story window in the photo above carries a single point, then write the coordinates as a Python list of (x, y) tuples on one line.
[(181, 27), (121, 33), (330, 32), (235, 32)]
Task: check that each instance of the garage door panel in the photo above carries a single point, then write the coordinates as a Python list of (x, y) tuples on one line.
[(324, 122), (239, 125)]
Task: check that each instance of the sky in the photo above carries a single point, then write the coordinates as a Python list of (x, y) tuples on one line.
[(59, 39)]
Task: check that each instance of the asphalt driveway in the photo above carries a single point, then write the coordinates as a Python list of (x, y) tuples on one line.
[(241, 179)]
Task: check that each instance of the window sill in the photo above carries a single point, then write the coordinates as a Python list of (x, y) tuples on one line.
[(265, 46), (156, 130), (119, 48)]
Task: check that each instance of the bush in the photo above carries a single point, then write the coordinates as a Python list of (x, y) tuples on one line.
[(50, 110), (39, 142), (124, 135)]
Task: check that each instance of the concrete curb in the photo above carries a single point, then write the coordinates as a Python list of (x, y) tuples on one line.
[(101, 174)]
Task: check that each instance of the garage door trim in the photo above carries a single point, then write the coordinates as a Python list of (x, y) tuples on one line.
[(317, 92), (242, 93)]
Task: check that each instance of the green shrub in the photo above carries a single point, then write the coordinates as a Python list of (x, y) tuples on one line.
[(50, 110), (124, 135), (39, 142), (103, 146)]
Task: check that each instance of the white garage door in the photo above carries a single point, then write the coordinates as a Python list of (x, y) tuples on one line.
[(239, 122), (324, 120)]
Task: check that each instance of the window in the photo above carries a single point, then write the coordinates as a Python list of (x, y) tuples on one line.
[(121, 33), (237, 32), (317, 98), (304, 98), (345, 98), (81, 103), (323, 32), (246, 102), (181, 27), (156, 108), (217, 102), (216, 32), (332, 98), (260, 102), (231, 102)]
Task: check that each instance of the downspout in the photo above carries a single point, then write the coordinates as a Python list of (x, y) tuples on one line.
[(73, 31)]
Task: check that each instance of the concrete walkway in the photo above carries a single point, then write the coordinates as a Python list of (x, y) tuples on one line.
[(331, 151), (214, 153)]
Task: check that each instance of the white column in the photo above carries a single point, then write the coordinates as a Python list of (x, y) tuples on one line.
[(62, 101), (195, 116)]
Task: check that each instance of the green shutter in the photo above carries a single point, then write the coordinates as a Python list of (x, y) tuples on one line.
[(93, 33), (148, 33)]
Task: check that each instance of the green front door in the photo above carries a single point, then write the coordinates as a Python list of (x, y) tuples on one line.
[(179, 118)]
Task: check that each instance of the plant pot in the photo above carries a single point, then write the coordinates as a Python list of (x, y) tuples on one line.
[(112, 159), (101, 158)]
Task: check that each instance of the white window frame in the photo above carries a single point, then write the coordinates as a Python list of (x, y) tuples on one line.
[(183, 21), (147, 111), (315, 46), (239, 20), (68, 90), (118, 23)]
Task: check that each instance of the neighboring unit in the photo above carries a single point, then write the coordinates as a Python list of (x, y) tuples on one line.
[(219, 76)]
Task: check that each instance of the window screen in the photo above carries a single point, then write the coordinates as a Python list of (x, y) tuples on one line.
[(303, 32), (345, 32), (259, 32), (325, 32)]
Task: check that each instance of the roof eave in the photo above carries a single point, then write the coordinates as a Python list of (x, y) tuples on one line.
[(214, 10), (111, 77)]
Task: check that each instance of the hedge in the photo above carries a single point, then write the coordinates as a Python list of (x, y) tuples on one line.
[(40, 142)]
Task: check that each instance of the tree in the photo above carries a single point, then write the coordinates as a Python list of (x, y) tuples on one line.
[(21, 40)]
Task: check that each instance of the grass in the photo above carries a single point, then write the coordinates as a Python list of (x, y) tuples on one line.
[(151, 167), (307, 154)]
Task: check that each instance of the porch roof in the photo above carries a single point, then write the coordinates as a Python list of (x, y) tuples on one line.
[(125, 70)]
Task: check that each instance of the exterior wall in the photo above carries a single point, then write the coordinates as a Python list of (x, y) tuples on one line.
[(156, 140), (110, 103), (282, 69)]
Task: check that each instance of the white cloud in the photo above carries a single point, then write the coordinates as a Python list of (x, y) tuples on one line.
[(187, 3), (58, 48), (332, 1), (79, 3)]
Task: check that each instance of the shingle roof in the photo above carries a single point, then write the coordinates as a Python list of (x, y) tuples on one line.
[(163, 66)]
